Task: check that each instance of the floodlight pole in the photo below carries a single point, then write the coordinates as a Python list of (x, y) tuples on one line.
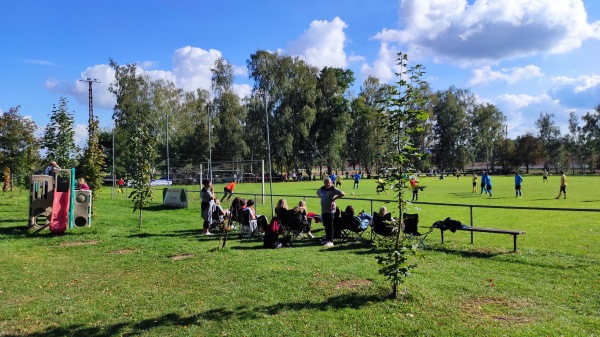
[(269, 150), (168, 167), (112, 189), (209, 174)]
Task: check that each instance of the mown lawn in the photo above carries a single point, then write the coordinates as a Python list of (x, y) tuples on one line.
[(169, 280)]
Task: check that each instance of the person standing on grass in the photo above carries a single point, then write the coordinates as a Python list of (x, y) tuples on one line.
[(333, 178), (518, 182), (207, 205), (414, 185), (483, 182), (356, 180), (488, 184), (228, 190), (563, 185), (474, 183), (121, 183), (328, 194), (545, 177)]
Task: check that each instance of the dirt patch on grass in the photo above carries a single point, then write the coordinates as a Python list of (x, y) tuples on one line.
[(498, 309), (181, 257), (352, 284), (122, 251), (81, 243)]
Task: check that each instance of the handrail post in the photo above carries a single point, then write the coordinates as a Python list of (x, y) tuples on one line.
[(471, 214)]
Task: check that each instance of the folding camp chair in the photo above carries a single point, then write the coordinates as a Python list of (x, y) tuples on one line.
[(291, 227), (411, 230), (235, 215), (249, 227), (351, 228), (381, 227), (218, 221)]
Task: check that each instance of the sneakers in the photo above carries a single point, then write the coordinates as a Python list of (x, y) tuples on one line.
[(310, 235), (208, 233), (328, 244)]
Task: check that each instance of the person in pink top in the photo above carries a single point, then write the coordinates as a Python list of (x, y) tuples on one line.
[(82, 185)]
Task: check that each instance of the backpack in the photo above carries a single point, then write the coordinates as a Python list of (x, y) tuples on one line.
[(272, 231)]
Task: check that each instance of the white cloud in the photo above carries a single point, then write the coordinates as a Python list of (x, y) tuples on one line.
[(485, 75), (242, 90), (191, 71), (41, 63), (384, 67), (520, 101), (587, 83), (582, 92), (322, 44), (522, 111), (240, 70), (191, 67), (104, 76), (488, 31), (81, 135)]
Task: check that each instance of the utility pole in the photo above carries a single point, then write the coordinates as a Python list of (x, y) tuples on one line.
[(91, 106), (266, 97)]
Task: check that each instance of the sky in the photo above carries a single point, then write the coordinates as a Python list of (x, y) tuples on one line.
[(524, 56)]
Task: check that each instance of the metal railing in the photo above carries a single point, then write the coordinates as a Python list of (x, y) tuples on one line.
[(470, 206)]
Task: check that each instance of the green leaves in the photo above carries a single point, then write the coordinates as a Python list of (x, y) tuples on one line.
[(133, 103), (400, 117)]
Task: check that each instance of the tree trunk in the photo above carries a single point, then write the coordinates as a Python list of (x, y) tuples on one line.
[(140, 223)]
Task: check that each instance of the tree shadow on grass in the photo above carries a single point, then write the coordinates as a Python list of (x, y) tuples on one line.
[(468, 254), (156, 208), (14, 231), (239, 313)]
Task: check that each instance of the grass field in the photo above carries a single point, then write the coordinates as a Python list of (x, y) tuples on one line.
[(169, 280)]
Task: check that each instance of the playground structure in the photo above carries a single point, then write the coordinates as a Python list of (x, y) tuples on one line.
[(55, 204)]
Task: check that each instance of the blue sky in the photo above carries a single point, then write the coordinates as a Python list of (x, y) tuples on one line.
[(524, 56)]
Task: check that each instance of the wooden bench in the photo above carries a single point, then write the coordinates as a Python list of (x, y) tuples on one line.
[(514, 233)]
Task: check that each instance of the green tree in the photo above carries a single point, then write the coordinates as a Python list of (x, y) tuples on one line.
[(290, 86), (364, 137), (19, 147), (190, 143), (548, 134), (230, 114), (487, 127), (333, 118), (575, 141), (591, 134), (130, 113), (450, 110), (59, 136), (405, 108), (105, 139), (91, 165), (528, 150)]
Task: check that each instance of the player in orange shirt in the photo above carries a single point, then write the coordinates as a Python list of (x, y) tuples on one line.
[(228, 190)]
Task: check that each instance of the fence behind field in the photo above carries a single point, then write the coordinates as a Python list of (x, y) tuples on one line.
[(372, 202)]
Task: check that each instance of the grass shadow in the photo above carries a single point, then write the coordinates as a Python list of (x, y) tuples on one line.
[(239, 313), (15, 230), (160, 207), (468, 254)]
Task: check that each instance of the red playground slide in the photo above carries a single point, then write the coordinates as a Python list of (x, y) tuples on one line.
[(59, 219)]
